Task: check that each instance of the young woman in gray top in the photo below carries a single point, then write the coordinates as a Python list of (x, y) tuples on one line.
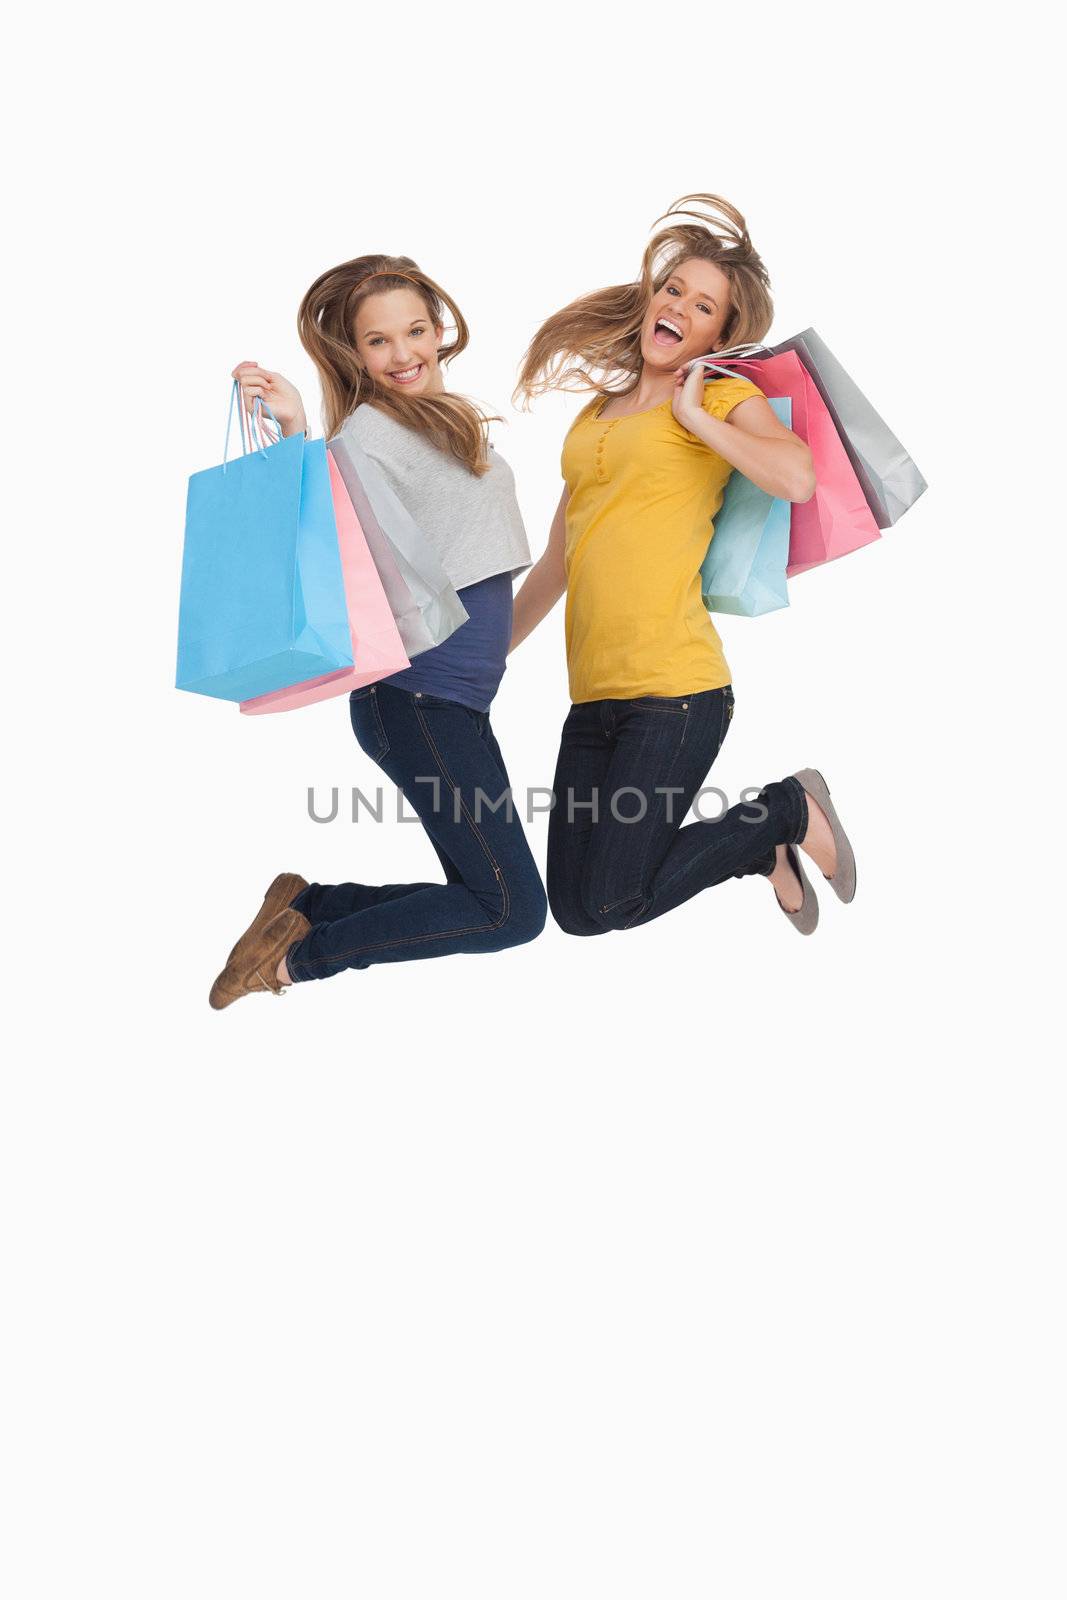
[(374, 328)]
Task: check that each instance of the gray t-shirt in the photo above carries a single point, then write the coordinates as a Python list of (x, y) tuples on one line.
[(474, 524)]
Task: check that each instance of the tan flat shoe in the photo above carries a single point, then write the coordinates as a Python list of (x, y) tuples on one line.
[(843, 882), (806, 918), (255, 967)]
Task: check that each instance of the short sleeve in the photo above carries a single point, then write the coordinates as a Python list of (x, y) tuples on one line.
[(569, 437), (722, 394)]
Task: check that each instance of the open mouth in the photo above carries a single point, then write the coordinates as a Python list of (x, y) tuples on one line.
[(408, 374), (666, 332)]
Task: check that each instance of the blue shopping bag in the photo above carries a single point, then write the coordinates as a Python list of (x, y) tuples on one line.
[(262, 597), (744, 570)]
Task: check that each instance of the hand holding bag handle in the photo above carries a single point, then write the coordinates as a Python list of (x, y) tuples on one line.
[(246, 448), (837, 518)]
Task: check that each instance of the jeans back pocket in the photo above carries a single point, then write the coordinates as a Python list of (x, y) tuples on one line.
[(366, 717)]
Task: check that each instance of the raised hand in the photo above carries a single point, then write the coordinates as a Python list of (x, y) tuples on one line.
[(282, 396), (688, 396)]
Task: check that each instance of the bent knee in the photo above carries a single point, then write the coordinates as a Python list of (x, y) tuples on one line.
[(614, 917), (570, 917), (525, 913)]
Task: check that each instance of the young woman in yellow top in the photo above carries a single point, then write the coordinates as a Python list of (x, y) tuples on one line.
[(645, 464)]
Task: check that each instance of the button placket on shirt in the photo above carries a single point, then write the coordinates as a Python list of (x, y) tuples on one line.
[(599, 457), (600, 463)]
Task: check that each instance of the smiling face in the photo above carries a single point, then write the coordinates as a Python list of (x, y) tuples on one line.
[(687, 316), (398, 342)]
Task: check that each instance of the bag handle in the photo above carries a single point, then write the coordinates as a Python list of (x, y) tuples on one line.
[(735, 352), (251, 423), (713, 366)]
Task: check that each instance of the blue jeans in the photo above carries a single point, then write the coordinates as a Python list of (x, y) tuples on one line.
[(627, 773), (445, 758)]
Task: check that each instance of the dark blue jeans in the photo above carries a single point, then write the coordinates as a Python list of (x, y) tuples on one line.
[(445, 758), (627, 773)]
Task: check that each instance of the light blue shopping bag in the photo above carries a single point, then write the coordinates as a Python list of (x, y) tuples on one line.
[(262, 597), (744, 570)]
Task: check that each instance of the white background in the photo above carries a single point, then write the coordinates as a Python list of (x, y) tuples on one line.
[(697, 1260)]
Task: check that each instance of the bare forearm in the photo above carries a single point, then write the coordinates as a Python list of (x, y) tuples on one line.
[(545, 581), (544, 584), (781, 467)]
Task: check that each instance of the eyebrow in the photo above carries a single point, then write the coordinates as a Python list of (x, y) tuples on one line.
[(411, 324), (676, 277)]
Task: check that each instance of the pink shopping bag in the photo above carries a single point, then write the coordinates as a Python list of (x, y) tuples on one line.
[(376, 648), (837, 518)]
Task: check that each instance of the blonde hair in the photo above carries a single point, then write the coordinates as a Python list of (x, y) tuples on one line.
[(595, 342), (326, 322)]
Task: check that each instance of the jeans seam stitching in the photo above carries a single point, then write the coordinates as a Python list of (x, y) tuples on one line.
[(644, 892), (380, 725), (623, 899), (470, 820)]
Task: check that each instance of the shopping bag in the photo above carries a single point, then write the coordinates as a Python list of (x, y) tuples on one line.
[(377, 650), (837, 519), (889, 478), (425, 604), (743, 572), (262, 591)]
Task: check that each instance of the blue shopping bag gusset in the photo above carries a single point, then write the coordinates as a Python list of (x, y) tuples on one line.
[(262, 592)]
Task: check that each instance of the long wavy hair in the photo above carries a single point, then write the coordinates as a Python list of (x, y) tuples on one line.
[(326, 322), (595, 342)]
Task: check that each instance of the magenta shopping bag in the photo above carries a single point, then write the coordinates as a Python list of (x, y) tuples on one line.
[(837, 518), (376, 647)]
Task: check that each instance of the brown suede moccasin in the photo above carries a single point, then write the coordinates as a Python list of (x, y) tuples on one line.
[(282, 892), (254, 969)]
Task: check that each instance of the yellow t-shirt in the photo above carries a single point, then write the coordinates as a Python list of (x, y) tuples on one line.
[(643, 493)]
